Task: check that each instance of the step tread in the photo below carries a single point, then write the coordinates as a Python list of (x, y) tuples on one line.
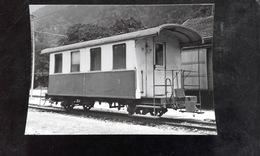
[(148, 106), (159, 94), (162, 96)]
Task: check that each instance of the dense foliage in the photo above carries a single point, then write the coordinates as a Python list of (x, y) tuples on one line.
[(126, 25), (59, 18), (41, 61), (84, 32), (82, 23)]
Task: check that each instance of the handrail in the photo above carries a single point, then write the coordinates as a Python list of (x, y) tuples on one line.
[(167, 70), (168, 79), (142, 91), (186, 75), (175, 77), (175, 74), (189, 71)]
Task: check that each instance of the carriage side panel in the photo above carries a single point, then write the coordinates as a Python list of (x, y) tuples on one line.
[(66, 84), (115, 84)]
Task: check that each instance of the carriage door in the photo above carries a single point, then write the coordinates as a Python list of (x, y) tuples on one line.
[(159, 68)]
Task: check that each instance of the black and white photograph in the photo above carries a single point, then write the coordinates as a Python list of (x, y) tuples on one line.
[(130, 78), (110, 69)]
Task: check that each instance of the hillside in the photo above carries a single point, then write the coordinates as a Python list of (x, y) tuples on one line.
[(202, 25), (57, 18)]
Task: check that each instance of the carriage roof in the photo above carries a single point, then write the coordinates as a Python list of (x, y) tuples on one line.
[(184, 34)]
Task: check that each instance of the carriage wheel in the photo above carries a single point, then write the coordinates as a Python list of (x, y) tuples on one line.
[(144, 111), (88, 105), (131, 109), (159, 112), (152, 112), (138, 110), (68, 105)]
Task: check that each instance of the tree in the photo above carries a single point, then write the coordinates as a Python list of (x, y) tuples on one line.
[(73, 34), (204, 11), (84, 32), (41, 61), (90, 32), (126, 25)]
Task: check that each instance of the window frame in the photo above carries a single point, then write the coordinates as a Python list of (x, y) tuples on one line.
[(76, 51), (164, 53), (91, 69), (113, 63), (55, 63)]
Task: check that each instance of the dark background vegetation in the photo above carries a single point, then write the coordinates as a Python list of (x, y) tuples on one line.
[(236, 92), (82, 23)]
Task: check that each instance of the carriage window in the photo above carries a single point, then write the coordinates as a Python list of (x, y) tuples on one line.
[(75, 61), (58, 63), (119, 56), (159, 47), (95, 59)]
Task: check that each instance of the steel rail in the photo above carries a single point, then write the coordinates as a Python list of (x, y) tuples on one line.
[(135, 119)]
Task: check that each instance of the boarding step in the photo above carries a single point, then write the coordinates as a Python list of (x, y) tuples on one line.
[(160, 95), (191, 85), (151, 104), (147, 106), (198, 104), (163, 85)]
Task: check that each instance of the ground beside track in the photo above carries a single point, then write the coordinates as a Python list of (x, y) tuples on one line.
[(48, 123)]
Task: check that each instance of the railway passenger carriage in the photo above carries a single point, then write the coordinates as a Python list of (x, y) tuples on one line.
[(142, 70)]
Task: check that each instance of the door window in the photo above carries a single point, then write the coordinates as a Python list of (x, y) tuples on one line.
[(159, 54)]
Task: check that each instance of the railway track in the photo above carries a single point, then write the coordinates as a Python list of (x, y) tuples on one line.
[(135, 119)]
